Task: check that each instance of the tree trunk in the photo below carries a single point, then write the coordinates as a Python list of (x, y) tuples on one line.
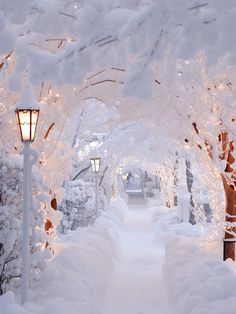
[(190, 180), (230, 200)]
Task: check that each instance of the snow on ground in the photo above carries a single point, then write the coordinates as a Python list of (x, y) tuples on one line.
[(137, 285), (198, 281), (75, 280), (139, 260), (166, 224)]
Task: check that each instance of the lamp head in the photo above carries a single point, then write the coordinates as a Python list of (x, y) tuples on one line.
[(120, 170), (96, 163), (27, 119)]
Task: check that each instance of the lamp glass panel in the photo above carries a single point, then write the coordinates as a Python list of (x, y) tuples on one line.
[(24, 123), (120, 170), (92, 163), (27, 120), (34, 121), (95, 162)]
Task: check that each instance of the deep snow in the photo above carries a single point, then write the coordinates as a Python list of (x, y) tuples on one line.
[(137, 285), (75, 279), (136, 260)]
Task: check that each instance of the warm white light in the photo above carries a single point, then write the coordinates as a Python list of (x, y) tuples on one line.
[(94, 144), (27, 120), (95, 162), (120, 170)]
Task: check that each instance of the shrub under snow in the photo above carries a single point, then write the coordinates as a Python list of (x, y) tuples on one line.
[(11, 189), (78, 206), (76, 278), (198, 281)]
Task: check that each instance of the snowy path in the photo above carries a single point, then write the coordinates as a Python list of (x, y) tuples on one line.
[(137, 285)]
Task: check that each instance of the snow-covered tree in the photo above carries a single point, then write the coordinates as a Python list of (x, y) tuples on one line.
[(159, 75), (11, 223)]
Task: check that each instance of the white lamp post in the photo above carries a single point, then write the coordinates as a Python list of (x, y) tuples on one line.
[(120, 170), (96, 163), (27, 120)]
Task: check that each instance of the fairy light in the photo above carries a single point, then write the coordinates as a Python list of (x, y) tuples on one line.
[(211, 179)]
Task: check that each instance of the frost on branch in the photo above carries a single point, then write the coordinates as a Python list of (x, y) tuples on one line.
[(78, 207), (11, 189)]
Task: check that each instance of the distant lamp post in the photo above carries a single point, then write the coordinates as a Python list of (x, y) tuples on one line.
[(120, 170), (96, 163), (27, 120)]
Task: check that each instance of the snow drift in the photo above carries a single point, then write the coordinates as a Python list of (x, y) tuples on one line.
[(76, 277), (198, 281)]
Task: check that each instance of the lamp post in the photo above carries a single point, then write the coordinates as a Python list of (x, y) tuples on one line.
[(27, 119), (120, 170), (119, 179), (96, 163)]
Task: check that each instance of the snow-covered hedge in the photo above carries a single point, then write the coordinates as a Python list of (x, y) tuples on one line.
[(166, 224), (198, 281), (11, 189), (75, 280), (78, 206)]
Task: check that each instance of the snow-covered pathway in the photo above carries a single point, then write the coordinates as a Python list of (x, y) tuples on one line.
[(137, 285)]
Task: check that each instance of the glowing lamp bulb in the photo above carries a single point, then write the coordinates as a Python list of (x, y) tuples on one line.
[(27, 119), (96, 163)]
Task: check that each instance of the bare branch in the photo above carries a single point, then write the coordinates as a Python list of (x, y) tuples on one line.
[(84, 170), (95, 74), (108, 80), (67, 15), (93, 97), (198, 6), (100, 40), (49, 130), (108, 42), (118, 69)]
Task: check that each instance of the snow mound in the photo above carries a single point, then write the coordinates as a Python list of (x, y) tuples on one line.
[(198, 281), (76, 277), (166, 225)]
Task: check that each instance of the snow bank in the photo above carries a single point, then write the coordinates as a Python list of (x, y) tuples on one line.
[(166, 224), (198, 281), (76, 278)]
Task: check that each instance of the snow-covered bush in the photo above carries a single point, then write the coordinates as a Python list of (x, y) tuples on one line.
[(198, 281), (167, 224), (78, 275), (11, 189), (78, 206)]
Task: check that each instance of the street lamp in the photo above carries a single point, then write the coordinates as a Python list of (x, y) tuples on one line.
[(120, 170), (27, 120), (96, 163)]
